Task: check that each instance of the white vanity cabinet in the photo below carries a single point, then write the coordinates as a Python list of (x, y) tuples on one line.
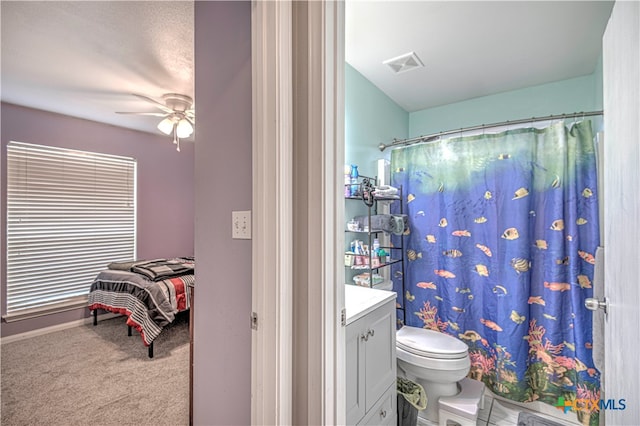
[(370, 356)]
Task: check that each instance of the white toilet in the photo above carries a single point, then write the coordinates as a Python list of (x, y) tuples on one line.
[(435, 360)]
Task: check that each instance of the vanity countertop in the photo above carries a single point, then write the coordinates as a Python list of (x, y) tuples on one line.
[(359, 301)]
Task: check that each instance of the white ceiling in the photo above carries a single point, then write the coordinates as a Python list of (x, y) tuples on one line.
[(472, 48), (86, 58)]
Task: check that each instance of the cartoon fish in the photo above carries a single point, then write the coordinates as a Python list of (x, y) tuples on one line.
[(516, 317), (520, 193), (551, 317), (424, 284), (591, 371), (520, 264), (470, 335), (461, 233), (407, 231), (443, 223), (588, 345), (420, 213), (463, 290), (484, 249), (410, 198), (564, 261), (470, 297), (581, 221), (536, 299), (453, 325), (439, 298), (541, 244), (569, 237), (413, 255), (580, 365), (570, 346), (557, 286), (556, 182), (583, 281), (410, 297), (452, 253), (487, 195), (398, 274), (430, 238), (499, 287), (456, 309), (482, 270), (480, 219), (557, 225), (510, 234), (532, 213), (490, 324), (587, 192), (443, 273), (504, 156), (587, 257)]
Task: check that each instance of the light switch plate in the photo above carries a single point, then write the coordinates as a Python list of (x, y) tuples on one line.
[(241, 225)]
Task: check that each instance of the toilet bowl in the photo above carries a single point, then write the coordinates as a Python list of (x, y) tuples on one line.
[(435, 360)]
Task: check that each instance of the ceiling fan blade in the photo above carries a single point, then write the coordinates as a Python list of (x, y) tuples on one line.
[(155, 114), (153, 101)]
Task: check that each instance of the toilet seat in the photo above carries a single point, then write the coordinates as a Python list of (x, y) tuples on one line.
[(430, 343)]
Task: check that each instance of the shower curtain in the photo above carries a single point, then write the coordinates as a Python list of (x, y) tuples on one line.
[(500, 254)]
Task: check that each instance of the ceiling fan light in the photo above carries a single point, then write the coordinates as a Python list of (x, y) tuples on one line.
[(184, 128), (166, 126)]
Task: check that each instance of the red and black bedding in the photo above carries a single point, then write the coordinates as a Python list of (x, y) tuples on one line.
[(149, 293)]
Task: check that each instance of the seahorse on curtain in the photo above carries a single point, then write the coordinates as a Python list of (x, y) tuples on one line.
[(503, 231)]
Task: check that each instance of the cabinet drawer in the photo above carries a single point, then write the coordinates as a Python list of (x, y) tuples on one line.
[(384, 411)]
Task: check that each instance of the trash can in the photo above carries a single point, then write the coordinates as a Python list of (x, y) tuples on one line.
[(411, 399)]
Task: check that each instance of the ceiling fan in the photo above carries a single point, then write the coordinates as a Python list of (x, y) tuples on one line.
[(178, 112)]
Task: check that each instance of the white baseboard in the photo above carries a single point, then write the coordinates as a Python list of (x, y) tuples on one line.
[(53, 328)]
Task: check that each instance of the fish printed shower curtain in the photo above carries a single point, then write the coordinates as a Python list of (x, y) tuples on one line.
[(500, 254)]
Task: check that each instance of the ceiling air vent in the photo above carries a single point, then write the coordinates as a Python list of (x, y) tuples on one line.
[(404, 63)]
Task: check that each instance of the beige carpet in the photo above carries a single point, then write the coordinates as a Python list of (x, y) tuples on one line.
[(97, 376)]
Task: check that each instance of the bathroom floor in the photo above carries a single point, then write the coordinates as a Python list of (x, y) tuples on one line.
[(501, 413)]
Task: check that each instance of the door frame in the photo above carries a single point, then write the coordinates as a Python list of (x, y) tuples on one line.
[(318, 91)]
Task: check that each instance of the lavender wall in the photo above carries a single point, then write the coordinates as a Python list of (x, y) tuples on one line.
[(222, 305), (165, 215)]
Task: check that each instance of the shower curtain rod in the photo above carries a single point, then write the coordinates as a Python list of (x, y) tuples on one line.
[(435, 136)]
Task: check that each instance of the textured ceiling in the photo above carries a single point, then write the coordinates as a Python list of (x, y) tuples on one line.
[(85, 58)]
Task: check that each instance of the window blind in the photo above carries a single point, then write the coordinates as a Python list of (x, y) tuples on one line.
[(69, 214)]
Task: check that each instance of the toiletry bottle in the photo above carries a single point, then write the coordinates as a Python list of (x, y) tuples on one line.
[(354, 180), (347, 181)]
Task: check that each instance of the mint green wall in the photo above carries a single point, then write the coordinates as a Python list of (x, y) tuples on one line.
[(560, 97), (371, 117)]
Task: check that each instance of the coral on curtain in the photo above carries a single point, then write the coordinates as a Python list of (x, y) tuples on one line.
[(500, 253)]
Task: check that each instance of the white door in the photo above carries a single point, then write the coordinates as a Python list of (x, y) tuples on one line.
[(622, 213)]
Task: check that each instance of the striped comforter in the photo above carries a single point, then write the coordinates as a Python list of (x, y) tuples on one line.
[(149, 305)]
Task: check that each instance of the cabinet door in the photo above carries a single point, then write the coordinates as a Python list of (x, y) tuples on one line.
[(355, 391), (380, 363)]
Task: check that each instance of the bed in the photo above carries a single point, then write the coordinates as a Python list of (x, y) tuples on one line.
[(149, 292)]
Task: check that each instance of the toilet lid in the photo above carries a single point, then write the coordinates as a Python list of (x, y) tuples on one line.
[(429, 343)]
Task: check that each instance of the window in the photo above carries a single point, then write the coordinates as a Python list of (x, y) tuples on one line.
[(69, 214)]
